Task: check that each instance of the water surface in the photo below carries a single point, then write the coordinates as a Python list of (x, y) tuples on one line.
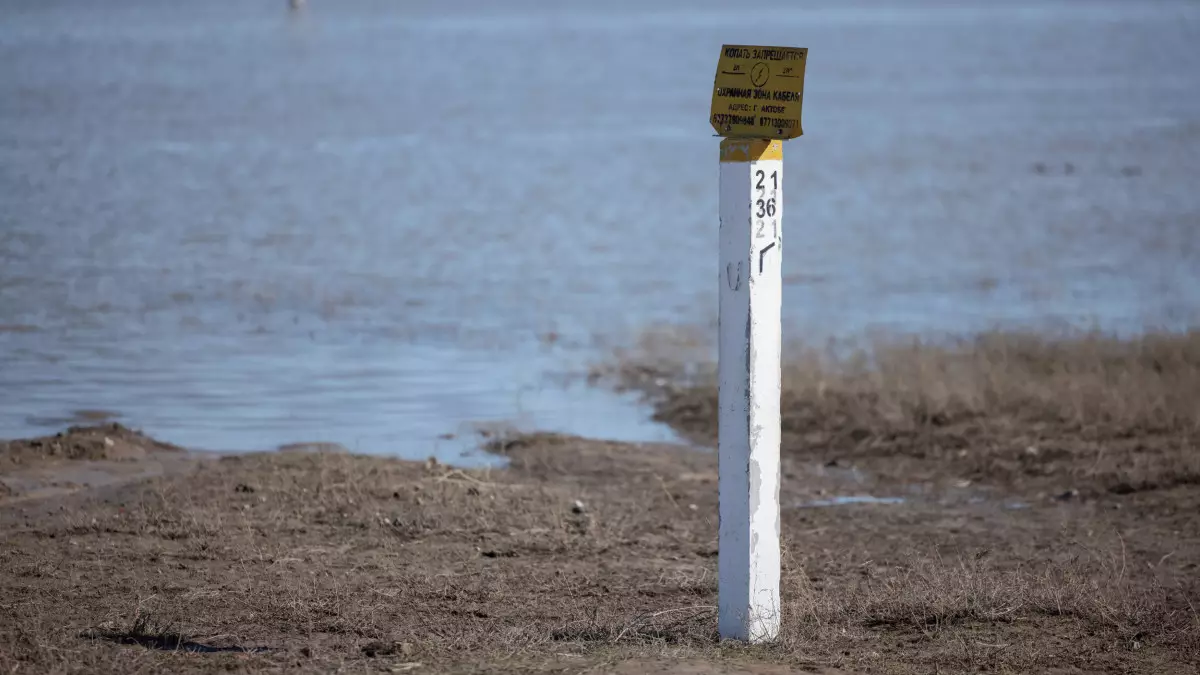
[(373, 223)]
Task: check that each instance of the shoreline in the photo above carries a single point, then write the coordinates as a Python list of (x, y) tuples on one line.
[(902, 553)]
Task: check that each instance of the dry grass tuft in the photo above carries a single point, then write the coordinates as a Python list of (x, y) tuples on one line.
[(691, 625), (145, 630)]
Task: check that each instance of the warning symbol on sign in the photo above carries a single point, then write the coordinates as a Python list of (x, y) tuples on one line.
[(759, 74)]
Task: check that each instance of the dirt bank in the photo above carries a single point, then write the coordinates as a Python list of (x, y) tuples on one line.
[(581, 555), (106, 442), (84, 458)]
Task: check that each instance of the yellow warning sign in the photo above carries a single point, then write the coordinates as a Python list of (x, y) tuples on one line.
[(758, 92)]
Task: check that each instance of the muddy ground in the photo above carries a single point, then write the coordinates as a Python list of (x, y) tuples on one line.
[(1023, 505)]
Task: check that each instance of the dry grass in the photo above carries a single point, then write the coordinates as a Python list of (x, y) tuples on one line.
[(1149, 383), (1104, 412), (150, 632), (587, 555), (931, 595), (332, 562)]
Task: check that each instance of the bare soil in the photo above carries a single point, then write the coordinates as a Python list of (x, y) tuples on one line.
[(84, 458), (1026, 553)]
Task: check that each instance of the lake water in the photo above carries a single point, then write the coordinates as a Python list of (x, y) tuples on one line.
[(373, 223)]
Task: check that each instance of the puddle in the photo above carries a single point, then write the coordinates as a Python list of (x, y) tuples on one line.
[(841, 500), (412, 402)]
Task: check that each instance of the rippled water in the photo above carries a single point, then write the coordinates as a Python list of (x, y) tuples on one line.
[(373, 222)]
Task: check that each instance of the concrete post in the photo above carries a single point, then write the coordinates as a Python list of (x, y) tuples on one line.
[(751, 207)]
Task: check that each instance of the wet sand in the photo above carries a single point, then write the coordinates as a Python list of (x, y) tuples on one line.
[(1024, 539)]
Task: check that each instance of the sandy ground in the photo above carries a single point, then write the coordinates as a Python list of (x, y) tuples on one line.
[(1062, 544)]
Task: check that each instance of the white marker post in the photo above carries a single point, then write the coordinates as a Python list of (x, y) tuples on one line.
[(749, 366), (757, 97)]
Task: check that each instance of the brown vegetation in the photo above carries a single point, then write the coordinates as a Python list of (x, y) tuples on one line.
[(582, 554), (585, 555)]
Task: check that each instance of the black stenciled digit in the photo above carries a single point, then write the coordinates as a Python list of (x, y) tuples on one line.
[(763, 254), (774, 180), (770, 207), (762, 209), (761, 176)]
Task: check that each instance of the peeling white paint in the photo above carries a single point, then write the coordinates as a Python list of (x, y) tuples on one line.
[(749, 355)]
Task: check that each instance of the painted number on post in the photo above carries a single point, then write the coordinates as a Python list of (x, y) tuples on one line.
[(764, 209)]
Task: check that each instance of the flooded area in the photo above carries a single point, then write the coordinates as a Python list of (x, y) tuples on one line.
[(377, 224)]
